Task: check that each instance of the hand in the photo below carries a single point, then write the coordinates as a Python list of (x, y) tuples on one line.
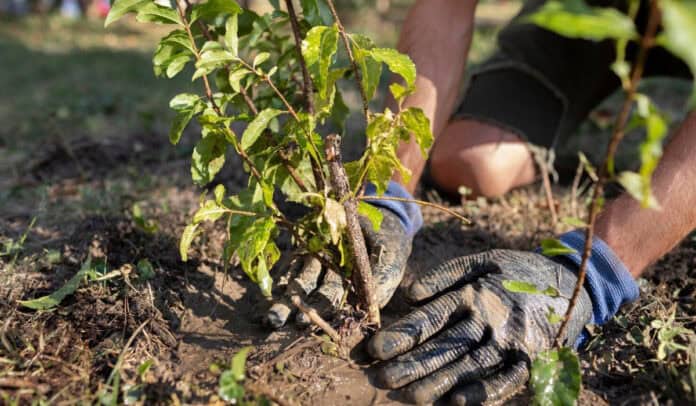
[(389, 250), (483, 336)]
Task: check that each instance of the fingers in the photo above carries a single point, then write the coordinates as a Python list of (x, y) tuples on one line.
[(302, 285), (432, 355), (494, 389), (472, 366), (449, 274), (421, 324), (326, 300)]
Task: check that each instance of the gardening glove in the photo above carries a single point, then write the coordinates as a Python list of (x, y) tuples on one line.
[(476, 338), (389, 249)]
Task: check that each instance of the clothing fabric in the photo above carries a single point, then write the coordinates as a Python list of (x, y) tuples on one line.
[(409, 213), (542, 86), (607, 280)]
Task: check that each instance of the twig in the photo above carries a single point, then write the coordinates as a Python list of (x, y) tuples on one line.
[(362, 272), (349, 51), (604, 174), (574, 190), (307, 88), (291, 170), (315, 318), (540, 157), (420, 203)]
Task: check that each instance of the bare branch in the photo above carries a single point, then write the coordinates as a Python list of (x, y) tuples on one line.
[(315, 318), (420, 203), (307, 88)]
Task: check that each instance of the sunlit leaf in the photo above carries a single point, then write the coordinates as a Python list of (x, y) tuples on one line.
[(574, 222), (229, 389), (555, 377), (575, 19), (335, 216), (637, 187), (187, 237), (679, 34), (54, 299), (370, 68), (372, 213), (231, 35), (398, 63), (213, 8), (256, 127), (239, 364), (154, 13), (552, 247), (209, 211), (418, 124), (318, 49), (208, 157), (119, 8), (529, 288)]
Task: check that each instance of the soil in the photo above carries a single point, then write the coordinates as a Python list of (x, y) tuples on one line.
[(191, 318)]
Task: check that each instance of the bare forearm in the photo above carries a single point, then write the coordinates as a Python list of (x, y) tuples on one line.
[(436, 35), (641, 236)]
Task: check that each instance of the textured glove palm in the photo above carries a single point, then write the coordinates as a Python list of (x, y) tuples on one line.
[(474, 336)]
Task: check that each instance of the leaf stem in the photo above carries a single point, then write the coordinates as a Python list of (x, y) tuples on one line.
[(418, 202), (351, 57), (307, 88), (604, 172)]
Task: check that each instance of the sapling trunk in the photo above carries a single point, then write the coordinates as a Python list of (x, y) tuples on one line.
[(362, 272)]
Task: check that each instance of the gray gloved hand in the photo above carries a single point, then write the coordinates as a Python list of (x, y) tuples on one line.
[(475, 337), (389, 249)]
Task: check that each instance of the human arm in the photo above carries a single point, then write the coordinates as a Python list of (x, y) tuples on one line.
[(436, 35)]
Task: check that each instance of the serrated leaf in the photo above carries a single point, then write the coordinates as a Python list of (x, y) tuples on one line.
[(231, 34), (679, 34), (213, 8), (54, 299), (555, 377), (208, 158), (415, 121), (552, 247), (370, 69), (637, 187), (318, 49), (575, 19), (398, 63), (154, 13), (187, 237), (209, 211), (121, 7), (372, 213), (239, 364), (235, 77), (335, 216), (257, 126)]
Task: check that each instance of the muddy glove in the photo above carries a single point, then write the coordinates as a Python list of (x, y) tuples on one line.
[(475, 338), (389, 249)]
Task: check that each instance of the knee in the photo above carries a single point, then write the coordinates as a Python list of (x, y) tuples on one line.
[(478, 168)]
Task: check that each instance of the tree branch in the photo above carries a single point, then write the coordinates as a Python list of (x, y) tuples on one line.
[(307, 88), (356, 70), (362, 272), (420, 203), (604, 173)]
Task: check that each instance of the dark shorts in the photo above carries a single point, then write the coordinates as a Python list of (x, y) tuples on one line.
[(542, 86)]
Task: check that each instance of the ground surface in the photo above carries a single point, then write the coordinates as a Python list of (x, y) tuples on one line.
[(83, 140)]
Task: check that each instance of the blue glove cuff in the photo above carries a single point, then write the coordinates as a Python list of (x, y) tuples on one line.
[(408, 212), (607, 281)]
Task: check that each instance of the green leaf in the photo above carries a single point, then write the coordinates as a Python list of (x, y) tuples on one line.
[(318, 49), (372, 213), (260, 58), (529, 288), (575, 19), (208, 157), (179, 124), (370, 69), (679, 34), (180, 39), (149, 226), (54, 299), (214, 58), (316, 12), (239, 364), (145, 270), (187, 237), (231, 34), (639, 189), (176, 65), (229, 389), (552, 247), (574, 222), (415, 121), (398, 63), (398, 91), (552, 316), (209, 211), (121, 7), (555, 377), (236, 76), (184, 101), (213, 8), (335, 216), (153, 13), (144, 367), (257, 126)]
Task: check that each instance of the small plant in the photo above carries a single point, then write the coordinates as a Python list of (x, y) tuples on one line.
[(555, 373), (278, 74)]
